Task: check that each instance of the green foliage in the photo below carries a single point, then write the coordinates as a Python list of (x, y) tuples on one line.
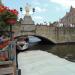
[(5, 15), (3, 26)]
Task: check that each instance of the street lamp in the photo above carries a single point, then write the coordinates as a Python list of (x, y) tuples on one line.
[(33, 10), (12, 22), (21, 9)]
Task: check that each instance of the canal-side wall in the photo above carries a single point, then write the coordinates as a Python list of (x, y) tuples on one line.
[(57, 34)]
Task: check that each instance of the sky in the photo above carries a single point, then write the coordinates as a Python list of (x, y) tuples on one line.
[(45, 10)]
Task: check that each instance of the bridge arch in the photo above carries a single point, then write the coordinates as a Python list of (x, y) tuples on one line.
[(44, 40)]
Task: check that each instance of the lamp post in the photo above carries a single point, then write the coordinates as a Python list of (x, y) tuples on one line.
[(9, 17), (21, 9), (33, 10), (11, 22)]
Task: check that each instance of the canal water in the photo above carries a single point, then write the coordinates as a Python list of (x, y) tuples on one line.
[(66, 51), (45, 59)]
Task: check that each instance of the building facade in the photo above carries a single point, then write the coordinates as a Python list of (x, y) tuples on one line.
[(69, 18)]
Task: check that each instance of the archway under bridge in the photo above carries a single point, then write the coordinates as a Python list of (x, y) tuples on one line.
[(44, 40)]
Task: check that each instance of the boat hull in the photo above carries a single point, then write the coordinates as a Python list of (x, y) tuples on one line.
[(22, 46)]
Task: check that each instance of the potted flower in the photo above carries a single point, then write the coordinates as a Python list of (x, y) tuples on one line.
[(9, 16)]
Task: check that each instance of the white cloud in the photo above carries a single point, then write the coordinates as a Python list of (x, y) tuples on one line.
[(66, 3), (38, 17), (38, 9)]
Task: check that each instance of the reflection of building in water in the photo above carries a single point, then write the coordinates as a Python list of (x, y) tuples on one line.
[(69, 18)]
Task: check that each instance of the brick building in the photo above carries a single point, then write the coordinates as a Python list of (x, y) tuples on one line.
[(69, 18)]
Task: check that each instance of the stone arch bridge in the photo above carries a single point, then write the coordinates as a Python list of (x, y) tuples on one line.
[(55, 35), (26, 26)]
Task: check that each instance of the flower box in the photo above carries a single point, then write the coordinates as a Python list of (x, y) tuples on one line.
[(4, 44), (8, 15), (11, 21)]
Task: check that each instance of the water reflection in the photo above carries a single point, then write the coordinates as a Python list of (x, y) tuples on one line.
[(64, 51)]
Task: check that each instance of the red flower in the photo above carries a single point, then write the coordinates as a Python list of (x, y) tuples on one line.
[(4, 44), (2, 8), (6, 8), (7, 14), (14, 11)]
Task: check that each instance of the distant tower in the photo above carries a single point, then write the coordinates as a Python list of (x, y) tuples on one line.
[(27, 24), (27, 9), (27, 20)]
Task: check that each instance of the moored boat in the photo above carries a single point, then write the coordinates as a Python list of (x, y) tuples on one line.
[(22, 44)]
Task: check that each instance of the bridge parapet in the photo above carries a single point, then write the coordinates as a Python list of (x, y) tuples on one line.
[(55, 34), (47, 32)]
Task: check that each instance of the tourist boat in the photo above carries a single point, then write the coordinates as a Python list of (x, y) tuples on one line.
[(22, 44)]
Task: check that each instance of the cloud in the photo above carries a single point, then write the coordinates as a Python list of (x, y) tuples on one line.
[(65, 3), (38, 17), (35, 2), (38, 9)]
